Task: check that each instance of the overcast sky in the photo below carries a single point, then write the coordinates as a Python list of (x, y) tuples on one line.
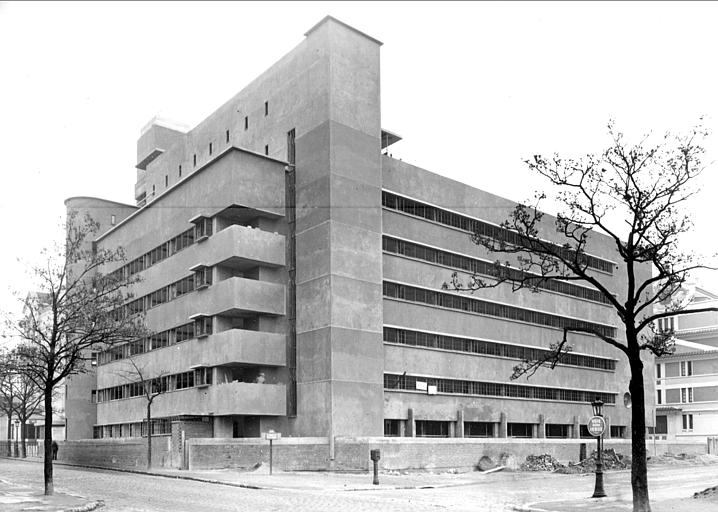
[(473, 88)]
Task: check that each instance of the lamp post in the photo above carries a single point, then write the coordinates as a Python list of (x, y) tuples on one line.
[(596, 427)]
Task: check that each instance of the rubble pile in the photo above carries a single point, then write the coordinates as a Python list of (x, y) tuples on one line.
[(611, 460), (543, 462), (708, 494)]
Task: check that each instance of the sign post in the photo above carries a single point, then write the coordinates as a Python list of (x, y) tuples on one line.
[(271, 436), (596, 427)]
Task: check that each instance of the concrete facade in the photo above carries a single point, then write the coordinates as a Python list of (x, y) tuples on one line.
[(687, 380), (293, 275)]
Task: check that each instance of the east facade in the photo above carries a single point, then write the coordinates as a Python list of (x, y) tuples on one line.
[(687, 380), (291, 272)]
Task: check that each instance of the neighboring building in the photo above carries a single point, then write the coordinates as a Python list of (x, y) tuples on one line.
[(292, 274), (687, 380)]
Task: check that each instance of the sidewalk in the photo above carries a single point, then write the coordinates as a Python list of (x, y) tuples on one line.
[(17, 497), (325, 481), (621, 504)]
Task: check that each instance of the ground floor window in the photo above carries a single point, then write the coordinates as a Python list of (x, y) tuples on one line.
[(392, 428), (425, 428), (687, 422), (584, 433), (619, 431), (661, 424), (478, 429), (558, 430), (520, 430)]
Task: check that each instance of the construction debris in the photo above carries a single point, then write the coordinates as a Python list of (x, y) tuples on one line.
[(543, 462)]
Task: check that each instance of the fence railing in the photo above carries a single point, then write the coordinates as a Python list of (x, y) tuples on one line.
[(33, 448)]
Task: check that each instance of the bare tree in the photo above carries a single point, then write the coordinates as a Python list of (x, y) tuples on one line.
[(30, 398), (78, 309), (633, 194), (8, 395), (149, 389)]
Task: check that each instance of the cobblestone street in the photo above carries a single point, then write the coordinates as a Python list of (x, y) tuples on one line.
[(493, 492)]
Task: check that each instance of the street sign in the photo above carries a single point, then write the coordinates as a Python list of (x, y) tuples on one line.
[(596, 426), (272, 435)]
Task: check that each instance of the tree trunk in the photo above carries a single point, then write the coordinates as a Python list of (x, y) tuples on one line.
[(9, 435), (149, 435), (639, 471), (23, 448), (49, 486)]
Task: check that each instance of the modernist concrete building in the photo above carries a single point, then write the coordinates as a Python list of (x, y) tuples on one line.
[(292, 274), (687, 380)]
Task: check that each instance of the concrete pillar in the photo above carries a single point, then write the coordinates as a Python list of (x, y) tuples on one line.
[(576, 428), (410, 426), (460, 423), (503, 425), (541, 427)]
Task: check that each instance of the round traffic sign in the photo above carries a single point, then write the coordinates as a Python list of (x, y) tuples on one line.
[(596, 426)]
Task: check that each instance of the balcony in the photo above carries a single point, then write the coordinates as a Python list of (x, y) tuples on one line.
[(238, 296), (241, 347), (241, 398), (243, 247)]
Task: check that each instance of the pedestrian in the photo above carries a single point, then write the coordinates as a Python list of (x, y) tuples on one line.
[(54, 450)]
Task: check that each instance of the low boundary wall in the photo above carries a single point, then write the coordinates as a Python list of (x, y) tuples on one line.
[(350, 453)]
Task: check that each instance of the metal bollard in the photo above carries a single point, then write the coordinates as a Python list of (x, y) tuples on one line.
[(375, 455)]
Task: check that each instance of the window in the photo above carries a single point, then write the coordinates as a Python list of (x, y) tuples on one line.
[(661, 424), (167, 180), (266, 108), (618, 431), (194, 160), (202, 376), (246, 122), (520, 430), (179, 173), (184, 333), (658, 397), (658, 370), (484, 307), (210, 149), (556, 430), (226, 136), (202, 228), (478, 429), (686, 395), (686, 368), (392, 428), (426, 428), (202, 326), (266, 149), (584, 433), (202, 277), (687, 422), (153, 190), (113, 219)]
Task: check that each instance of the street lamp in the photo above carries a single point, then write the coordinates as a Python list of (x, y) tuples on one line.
[(596, 427)]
